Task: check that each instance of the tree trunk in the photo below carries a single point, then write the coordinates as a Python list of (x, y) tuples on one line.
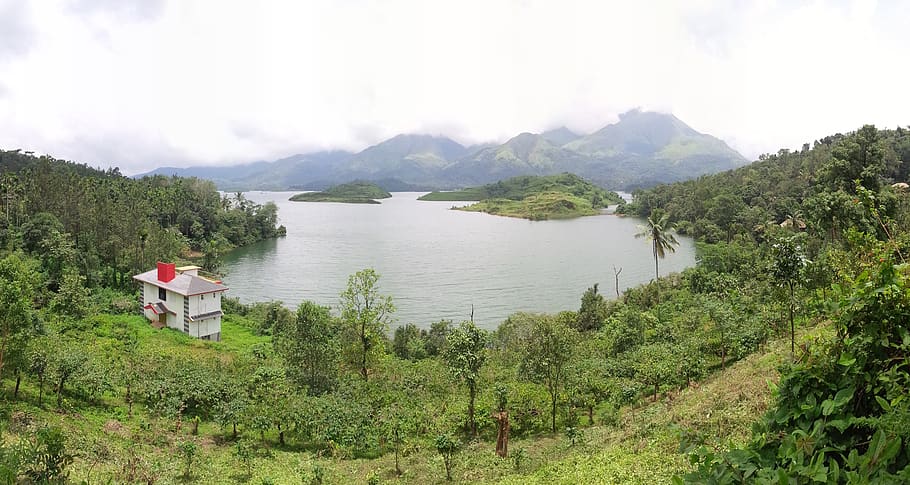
[(553, 412), (234, 434), (591, 415), (792, 329), (363, 356), (280, 435), (18, 381), (502, 437), (129, 402), (41, 391), (654, 399), (657, 276), (60, 391), (471, 421)]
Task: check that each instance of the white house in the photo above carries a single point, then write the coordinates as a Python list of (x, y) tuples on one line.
[(181, 299)]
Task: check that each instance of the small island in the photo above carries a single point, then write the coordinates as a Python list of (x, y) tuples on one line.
[(562, 196), (357, 192)]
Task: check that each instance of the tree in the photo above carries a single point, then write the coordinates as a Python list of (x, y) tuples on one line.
[(38, 363), (547, 354), (69, 359), (188, 450), (365, 315), (660, 232), (465, 356), (410, 342), (788, 262), (308, 344), (447, 446), (593, 310), (72, 297), (18, 281)]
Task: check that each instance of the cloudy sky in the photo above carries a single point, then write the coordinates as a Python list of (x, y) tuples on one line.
[(146, 83)]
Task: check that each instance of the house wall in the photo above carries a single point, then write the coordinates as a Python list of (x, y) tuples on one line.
[(174, 302), (149, 295), (205, 327), (205, 303)]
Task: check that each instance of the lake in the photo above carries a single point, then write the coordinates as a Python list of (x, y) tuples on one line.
[(436, 262)]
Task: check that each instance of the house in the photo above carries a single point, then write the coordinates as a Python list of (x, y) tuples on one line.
[(181, 299)]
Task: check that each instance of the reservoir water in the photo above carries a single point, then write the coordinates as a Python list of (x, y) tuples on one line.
[(436, 262)]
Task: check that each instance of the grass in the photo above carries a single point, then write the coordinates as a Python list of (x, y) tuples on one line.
[(639, 447)]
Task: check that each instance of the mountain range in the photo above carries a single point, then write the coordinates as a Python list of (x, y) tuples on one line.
[(642, 149)]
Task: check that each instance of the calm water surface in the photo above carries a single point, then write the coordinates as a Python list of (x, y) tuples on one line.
[(437, 262)]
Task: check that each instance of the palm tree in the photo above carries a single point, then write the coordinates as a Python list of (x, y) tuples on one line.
[(659, 232)]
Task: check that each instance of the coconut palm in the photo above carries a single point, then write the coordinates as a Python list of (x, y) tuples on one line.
[(660, 232)]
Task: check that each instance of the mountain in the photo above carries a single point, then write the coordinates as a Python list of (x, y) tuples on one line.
[(641, 150), (294, 171), (525, 154), (646, 148), (411, 158), (560, 136)]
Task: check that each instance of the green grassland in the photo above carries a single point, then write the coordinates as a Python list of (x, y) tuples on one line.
[(352, 193), (635, 444)]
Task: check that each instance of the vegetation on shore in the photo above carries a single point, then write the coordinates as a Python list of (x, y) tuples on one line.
[(351, 193), (533, 197), (606, 393)]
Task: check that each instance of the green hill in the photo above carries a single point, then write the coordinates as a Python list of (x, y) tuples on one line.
[(534, 197), (352, 193)]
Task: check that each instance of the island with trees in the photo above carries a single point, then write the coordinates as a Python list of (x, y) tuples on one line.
[(358, 192), (533, 197)]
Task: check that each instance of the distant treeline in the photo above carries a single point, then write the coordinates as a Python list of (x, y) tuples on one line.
[(111, 226)]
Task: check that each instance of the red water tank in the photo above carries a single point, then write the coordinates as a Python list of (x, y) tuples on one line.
[(166, 271)]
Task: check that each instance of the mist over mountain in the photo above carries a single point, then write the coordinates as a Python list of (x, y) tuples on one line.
[(640, 150)]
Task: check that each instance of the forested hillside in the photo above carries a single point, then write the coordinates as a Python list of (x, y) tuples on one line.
[(840, 413), (109, 227), (606, 392)]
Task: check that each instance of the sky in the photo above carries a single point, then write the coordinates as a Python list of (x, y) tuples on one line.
[(140, 84)]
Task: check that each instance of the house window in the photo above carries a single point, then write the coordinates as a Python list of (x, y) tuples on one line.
[(162, 294)]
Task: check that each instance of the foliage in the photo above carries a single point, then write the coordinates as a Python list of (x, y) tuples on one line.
[(447, 446), (593, 311), (536, 207), (841, 414), (519, 188), (110, 226), (18, 282), (546, 357), (465, 356), (46, 457), (365, 315), (660, 232), (309, 346), (788, 265)]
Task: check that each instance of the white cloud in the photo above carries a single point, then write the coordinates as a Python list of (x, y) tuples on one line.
[(140, 84)]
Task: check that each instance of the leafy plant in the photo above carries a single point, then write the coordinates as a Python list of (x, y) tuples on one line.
[(447, 446)]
